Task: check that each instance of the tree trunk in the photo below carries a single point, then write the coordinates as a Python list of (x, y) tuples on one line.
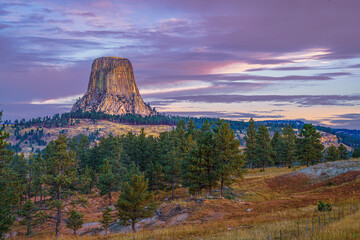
[(28, 228), (222, 188), (74, 231), (263, 166), (109, 196), (57, 224), (58, 216), (308, 163), (133, 226), (106, 231), (173, 188), (29, 191)]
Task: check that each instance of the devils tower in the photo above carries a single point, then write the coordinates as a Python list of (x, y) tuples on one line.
[(112, 89)]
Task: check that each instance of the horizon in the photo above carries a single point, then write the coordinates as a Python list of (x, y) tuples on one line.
[(282, 60)]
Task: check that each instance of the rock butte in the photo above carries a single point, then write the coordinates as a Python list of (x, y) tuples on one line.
[(112, 89)]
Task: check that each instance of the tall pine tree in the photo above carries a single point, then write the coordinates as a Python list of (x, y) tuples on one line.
[(263, 150), (60, 175), (288, 145), (229, 160), (250, 140), (309, 147)]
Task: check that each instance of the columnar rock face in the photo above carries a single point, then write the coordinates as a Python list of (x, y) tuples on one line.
[(112, 89)]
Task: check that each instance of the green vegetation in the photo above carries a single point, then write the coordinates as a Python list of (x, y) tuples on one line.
[(135, 202), (309, 147), (106, 219), (322, 207), (75, 220)]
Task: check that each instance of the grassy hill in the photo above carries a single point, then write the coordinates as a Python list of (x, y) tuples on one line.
[(262, 203), (88, 127)]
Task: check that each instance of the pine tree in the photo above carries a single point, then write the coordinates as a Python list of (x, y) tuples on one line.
[(86, 182), (106, 219), (250, 140), (206, 155), (229, 160), (38, 169), (60, 174), (31, 216), (193, 171), (9, 186), (356, 153), (288, 145), (106, 181), (155, 174), (75, 220), (277, 146), (343, 152), (309, 148), (135, 202), (263, 149), (332, 154)]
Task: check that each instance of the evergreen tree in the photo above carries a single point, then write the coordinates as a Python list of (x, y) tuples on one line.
[(9, 186), (106, 219), (193, 172), (60, 174), (309, 148), (288, 145), (229, 160), (356, 153), (201, 164), (277, 146), (250, 140), (31, 216), (332, 154), (174, 149), (106, 181), (75, 220), (38, 169), (190, 129), (155, 174), (86, 181), (20, 166), (343, 152), (263, 149), (135, 202)]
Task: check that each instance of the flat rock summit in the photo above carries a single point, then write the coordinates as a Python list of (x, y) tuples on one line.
[(112, 89)]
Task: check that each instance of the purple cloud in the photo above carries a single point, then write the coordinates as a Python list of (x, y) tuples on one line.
[(304, 100)]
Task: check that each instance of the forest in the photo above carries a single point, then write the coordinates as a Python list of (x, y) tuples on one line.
[(47, 186)]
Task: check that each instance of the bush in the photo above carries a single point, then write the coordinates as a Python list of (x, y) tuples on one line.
[(323, 207)]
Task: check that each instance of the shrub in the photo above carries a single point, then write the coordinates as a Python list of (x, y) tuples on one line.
[(323, 207)]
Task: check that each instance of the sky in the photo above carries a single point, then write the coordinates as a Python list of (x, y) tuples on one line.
[(234, 59)]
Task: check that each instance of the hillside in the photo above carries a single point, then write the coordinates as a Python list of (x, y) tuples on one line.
[(36, 134), (28, 138), (261, 203)]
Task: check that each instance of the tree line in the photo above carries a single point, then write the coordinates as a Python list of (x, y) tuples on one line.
[(286, 147)]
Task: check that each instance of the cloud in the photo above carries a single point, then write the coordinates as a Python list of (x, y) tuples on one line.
[(228, 115), (301, 100), (64, 100)]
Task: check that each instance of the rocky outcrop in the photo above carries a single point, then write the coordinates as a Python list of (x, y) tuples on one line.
[(112, 89)]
